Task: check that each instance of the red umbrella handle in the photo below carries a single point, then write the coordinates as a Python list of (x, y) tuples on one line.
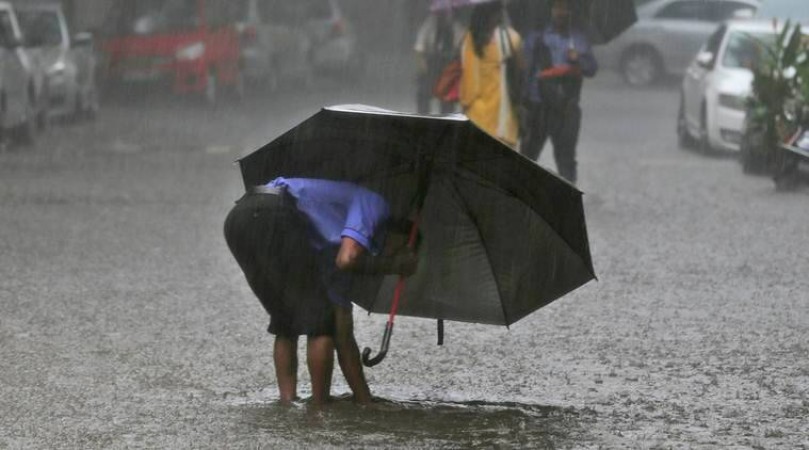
[(367, 360)]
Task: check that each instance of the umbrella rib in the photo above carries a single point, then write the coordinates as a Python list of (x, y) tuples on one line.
[(485, 249)]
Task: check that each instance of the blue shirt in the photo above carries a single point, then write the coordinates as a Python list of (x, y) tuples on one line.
[(338, 209), (558, 45)]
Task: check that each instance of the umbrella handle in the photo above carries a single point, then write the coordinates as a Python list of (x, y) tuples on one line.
[(366, 354), (397, 295)]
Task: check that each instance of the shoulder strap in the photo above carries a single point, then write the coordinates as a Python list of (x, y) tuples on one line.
[(505, 49)]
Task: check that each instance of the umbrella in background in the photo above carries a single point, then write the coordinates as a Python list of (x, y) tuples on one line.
[(607, 19), (603, 19), (443, 5), (501, 236)]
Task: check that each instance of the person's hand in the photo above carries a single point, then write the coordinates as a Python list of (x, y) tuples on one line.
[(573, 56)]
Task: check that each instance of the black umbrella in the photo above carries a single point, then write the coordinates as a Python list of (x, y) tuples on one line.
[(501, 237), (603, 19)]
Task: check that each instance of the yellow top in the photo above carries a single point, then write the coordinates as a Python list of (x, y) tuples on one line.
[(483, 93)]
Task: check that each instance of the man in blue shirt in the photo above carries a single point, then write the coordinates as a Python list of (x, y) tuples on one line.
[(558, 58), (323, 233)]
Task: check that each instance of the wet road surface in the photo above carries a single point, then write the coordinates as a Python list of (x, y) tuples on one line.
[(125, 323)]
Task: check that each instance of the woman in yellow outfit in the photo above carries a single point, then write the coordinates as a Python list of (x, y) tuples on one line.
[(484, 94)]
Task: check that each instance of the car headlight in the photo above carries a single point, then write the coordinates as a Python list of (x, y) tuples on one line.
[(57, 69), (731, 101), (191, 52)]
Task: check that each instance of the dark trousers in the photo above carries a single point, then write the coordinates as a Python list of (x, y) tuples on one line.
[(562, 127), (268, 238), (424, 96)]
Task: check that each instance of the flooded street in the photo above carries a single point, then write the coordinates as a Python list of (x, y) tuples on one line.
[(126, 322)]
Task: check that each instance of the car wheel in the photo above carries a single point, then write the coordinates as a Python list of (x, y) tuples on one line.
[(4, 134), (239, 86), (641, 67), (27, 131), (786, 175), (684, 138), (751, 150), (77, 113), (211, 88), (91, 104), (43, 111), (704, 137)]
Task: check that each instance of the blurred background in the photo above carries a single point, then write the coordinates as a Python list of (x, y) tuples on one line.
[(126, 323)]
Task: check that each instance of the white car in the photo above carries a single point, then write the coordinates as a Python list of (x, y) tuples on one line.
[(21, 109), (293, 40), (68, 61), (666, 37), (717, 84)]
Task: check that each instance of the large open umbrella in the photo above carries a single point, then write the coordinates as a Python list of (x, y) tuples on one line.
[(603, 19), (501, 236), (443, 5)]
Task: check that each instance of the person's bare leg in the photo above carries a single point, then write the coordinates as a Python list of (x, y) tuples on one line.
[(285, 356), (320, 360), (348, 355)]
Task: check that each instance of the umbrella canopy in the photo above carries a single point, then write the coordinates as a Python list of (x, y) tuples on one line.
[(603, 19), (501, 237), (443, 5)]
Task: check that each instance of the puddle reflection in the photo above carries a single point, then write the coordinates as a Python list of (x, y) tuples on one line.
[(419, 423)]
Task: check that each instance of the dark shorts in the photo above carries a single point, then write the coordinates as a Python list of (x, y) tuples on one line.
[(268, 237)]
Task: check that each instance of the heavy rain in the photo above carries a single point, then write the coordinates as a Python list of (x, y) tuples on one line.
[(674, 316)]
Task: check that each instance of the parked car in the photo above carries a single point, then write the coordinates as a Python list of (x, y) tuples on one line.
[(718, 82), (667, 36), (275, 45), (192, 45), (335, 48), (21, 109), (69, 62), (284, 40)]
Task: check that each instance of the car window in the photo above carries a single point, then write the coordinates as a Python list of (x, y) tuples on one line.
[(316, 9), (715, 41), (42, 26), (277, 11), (220, 13), (6, 28), (746, 50), (239, 9), (154, 16), (725, 10), (178, 15), (294, 12), (686, 10)]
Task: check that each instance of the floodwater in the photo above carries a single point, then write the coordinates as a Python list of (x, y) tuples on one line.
[(126, 323)]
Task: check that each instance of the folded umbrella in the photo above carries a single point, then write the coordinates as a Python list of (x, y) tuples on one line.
[(500, 236)]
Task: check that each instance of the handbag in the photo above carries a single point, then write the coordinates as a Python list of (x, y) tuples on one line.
[(447, 87)]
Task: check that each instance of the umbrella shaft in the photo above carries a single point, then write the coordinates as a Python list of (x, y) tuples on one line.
[(397, 295)]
